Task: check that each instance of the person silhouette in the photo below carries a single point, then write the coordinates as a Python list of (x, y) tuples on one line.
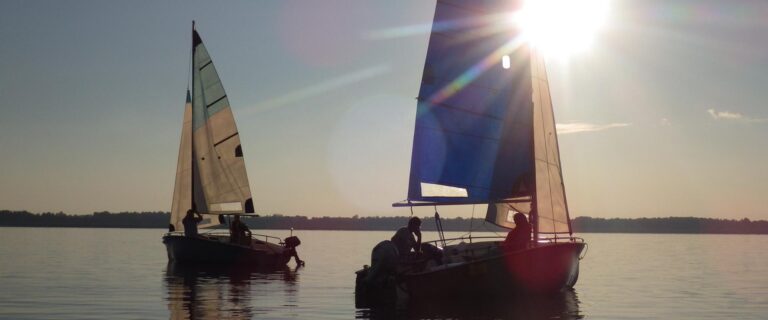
[(239, 232), (519, 237), (190, 222), (404, 239)]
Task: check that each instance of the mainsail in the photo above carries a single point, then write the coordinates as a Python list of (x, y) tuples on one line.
[(210, 174), (485, 130)]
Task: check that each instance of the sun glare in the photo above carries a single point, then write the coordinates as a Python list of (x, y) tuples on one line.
[(562, 27)]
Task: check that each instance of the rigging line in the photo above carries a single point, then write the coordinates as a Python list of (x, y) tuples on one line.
[(192, 63), (471, 220)]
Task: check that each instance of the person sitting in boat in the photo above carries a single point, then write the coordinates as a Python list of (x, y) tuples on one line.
[(404, 241), (519, 237), (190, 223), (239, 232)]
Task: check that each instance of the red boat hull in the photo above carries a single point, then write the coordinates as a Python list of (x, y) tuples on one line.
[(546, 268)]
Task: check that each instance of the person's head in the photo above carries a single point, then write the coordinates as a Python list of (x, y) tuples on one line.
[(190, 212), (414, 224), (520, 219)]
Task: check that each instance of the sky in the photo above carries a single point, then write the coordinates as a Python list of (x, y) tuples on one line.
[(663, 115)]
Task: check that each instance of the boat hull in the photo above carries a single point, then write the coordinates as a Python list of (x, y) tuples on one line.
[(547, 268), (216, 250), (544, 269)]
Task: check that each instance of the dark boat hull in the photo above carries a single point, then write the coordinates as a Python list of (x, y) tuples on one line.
[(544, 269), (183, 249), (547, 268)]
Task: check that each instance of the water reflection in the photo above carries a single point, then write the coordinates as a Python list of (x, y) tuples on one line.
[(216, 292), (564, 305)]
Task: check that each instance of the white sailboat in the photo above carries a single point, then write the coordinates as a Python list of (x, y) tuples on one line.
[(485, 134), (211, 178)]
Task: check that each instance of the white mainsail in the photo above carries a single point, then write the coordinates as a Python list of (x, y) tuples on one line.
[(210, 168)]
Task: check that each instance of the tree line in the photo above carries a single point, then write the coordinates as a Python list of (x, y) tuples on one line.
[(160, 219)]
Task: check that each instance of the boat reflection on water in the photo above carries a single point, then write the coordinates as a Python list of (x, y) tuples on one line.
[(225, 292), (563, 305)]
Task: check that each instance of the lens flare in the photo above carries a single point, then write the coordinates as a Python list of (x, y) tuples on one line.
[(562, 27)]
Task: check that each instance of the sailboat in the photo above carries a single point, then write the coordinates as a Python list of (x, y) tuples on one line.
[(484, 135), (211, 179)]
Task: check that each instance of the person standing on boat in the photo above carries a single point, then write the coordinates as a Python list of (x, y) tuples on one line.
[(239, 232), (519, 237), (190, 223), (404, 239)]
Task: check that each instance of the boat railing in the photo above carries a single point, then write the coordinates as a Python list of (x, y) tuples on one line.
[(470, 238), (462, 238), (561, 239), (225, 233)]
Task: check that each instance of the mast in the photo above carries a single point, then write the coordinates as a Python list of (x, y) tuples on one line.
[(192, 136), (533, 215)]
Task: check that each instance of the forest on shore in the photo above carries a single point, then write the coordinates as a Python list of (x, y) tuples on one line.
[(276, 221)]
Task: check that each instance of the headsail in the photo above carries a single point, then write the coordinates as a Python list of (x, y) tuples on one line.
[(182, 190), (551, 206), (210, 168), (485, 130), (472, 140)]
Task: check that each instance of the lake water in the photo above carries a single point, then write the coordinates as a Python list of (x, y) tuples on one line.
[(63, 273)]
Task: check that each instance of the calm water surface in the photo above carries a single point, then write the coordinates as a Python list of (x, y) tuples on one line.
[(63, 273)]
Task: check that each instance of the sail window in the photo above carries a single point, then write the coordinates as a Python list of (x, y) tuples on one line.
[(226, 207), (238, 151), (439, 190), (505, 63), (511, 215)]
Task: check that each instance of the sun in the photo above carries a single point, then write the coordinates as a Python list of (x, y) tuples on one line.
[(561, 27)]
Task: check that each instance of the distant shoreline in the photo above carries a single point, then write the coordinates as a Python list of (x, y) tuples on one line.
[(159, 220)]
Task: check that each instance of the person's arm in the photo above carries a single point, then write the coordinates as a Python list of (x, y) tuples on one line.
[(417, 246)]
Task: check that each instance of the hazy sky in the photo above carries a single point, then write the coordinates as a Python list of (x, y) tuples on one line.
[(665, 115)]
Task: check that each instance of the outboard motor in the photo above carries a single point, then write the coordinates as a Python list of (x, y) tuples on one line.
[(292, 242), (375, 285), (290, 249)]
